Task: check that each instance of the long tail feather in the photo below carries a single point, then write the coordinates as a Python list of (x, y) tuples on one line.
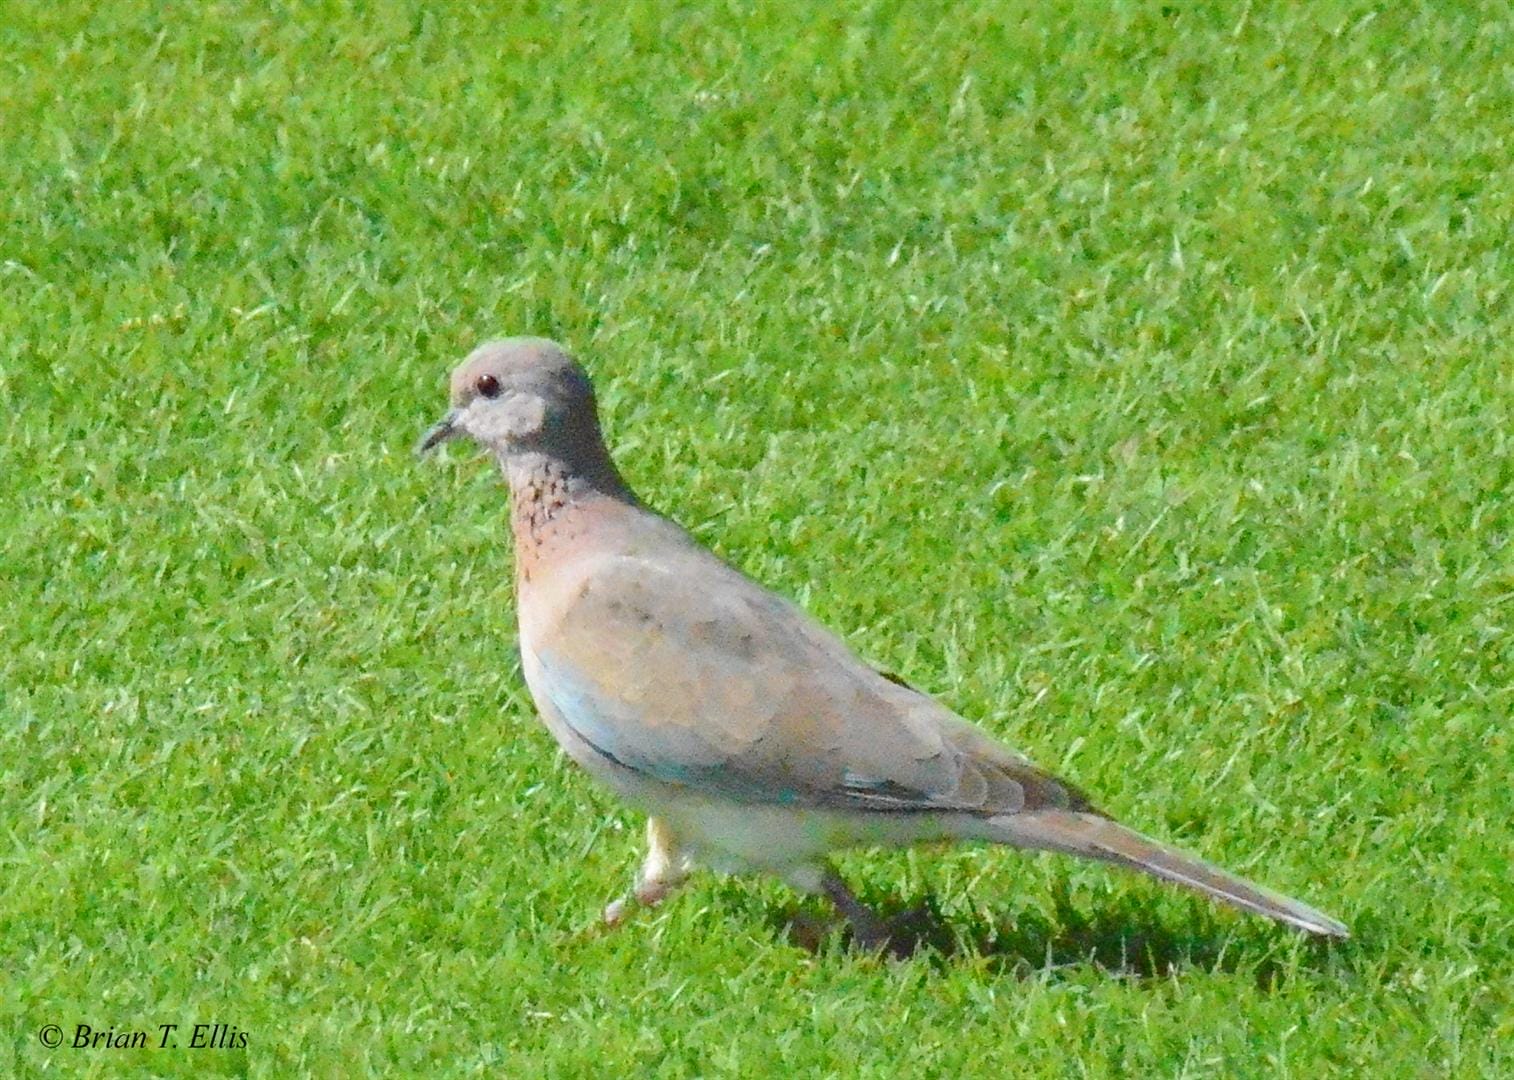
[(1098, 837)]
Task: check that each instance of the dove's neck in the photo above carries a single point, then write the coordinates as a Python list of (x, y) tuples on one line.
[(555, 498)]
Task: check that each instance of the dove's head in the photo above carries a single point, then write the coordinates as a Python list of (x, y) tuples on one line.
[(520, 395)]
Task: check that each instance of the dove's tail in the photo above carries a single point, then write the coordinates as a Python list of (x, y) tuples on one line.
[(1098, 837)]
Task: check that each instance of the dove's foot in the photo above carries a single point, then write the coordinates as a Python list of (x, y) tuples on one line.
[(645, 894), (869, 932), (665, 868)]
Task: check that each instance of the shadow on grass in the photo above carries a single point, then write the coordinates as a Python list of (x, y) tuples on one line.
[(1122, 939)]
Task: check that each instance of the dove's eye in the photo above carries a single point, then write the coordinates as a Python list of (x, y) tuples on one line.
[(487, 385)]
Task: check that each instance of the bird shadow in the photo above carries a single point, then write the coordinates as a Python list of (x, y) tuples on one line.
[(1122, 939)]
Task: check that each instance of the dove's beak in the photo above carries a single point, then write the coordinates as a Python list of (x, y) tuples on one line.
[(445, 429)]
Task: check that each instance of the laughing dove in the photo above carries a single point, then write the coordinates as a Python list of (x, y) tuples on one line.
[(753, 737)]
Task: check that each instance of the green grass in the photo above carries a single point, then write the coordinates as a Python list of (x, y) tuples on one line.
[(1137, 380)]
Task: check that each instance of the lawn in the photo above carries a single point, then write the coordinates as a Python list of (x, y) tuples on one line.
[(1137, 379)]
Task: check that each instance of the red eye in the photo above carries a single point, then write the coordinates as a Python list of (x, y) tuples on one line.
[(487, 385)]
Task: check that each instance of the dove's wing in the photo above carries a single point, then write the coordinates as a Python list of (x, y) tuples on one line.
[(683, 670)]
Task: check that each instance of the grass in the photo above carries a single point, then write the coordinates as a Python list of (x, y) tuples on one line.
[(1137, 379)]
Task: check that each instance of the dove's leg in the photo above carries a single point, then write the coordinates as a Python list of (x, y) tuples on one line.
[(663, 870), (869, 931)]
